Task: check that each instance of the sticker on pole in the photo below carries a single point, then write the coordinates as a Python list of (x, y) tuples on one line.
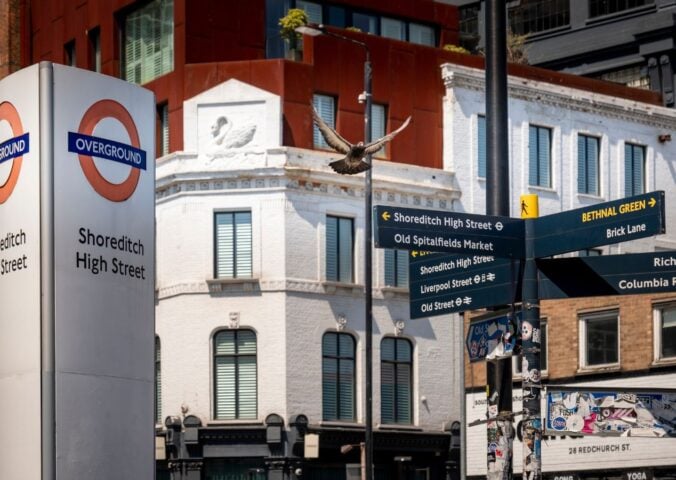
[(128, 155), (12, 150), (627, 412)]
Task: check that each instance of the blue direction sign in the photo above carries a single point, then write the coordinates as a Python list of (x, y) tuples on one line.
[(484, 336), (441, 284), (601, 224), (628, 274), (441, 231)]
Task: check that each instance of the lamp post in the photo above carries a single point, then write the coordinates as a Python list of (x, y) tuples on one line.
[(362, 457), (316, 30)]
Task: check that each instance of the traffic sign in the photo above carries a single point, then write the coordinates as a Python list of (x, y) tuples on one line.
[(442, 231), (628, 274), (442, 284), (601, 224), (486, 335)]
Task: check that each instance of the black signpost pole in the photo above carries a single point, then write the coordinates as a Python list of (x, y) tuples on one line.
[(530, 344), (498, 373)]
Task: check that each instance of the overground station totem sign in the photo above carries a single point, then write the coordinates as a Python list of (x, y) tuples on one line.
[(76, 275)]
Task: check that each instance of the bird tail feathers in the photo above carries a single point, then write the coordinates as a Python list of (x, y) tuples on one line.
[(349, 168)]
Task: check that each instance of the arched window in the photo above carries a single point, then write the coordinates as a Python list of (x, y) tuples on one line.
[(338, 376), (235, 379)]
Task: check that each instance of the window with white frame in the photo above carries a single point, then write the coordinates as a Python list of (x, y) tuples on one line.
[(396, 380), (587, 165), (391, 28), (481, 146), (378, 125), (313, 11), (539, 156), (599, 339), (665, 331), (338, 376), (325, 106), (148, 41), (235, 379), (421, 34), (339, 249), (396, 267), (634, 169), (517, 360), (233, 245)]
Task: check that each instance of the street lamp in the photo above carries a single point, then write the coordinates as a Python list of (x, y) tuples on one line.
[(313, 31)]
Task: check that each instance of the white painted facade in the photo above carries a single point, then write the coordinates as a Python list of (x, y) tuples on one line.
[(567, 112), (287, 302), (290, 191)]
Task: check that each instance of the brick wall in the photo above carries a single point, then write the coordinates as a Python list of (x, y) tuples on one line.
[(10, 34), (636, 336)]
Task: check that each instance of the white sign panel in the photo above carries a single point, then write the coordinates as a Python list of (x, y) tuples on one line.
[(104, 275), (570, 454), (20, 276)]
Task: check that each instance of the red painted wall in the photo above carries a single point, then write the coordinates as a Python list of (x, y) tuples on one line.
[(216, 40)]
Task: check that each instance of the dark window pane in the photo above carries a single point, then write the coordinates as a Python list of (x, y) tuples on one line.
[(669, 332), (606, 7), (337, 16), (396, 380), (365, 23), (338, 376), (543, 347), (602, 337), (539, 16)]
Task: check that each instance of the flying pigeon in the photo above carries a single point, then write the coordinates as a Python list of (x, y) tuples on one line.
[(354, 154)]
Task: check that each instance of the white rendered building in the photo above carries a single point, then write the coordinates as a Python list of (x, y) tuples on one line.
[(257, 330), (631, 153)]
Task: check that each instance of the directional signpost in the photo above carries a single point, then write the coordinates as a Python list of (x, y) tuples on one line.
[(601, 224), (627, 274), (440, 231), (484, 267), (441, 283), (488, 261)]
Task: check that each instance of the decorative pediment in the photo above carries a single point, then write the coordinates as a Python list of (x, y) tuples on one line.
[(229, 117)]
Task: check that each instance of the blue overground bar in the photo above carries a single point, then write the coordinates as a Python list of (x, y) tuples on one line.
[(14, 147), (107, 149)]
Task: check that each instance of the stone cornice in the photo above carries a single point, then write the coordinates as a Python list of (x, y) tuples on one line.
[(217, 287), (302, 171), (565, 98)]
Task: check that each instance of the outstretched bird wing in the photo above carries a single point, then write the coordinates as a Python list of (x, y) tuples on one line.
[(332, 137), (376, 145)]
